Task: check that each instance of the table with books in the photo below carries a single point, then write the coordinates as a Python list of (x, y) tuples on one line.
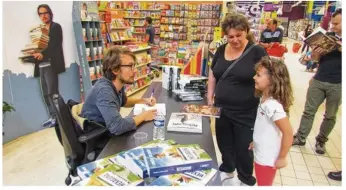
[(191, 157)]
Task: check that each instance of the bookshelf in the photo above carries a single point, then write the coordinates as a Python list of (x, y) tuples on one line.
[(118, 31), (90, 46), (137, 17), (143, 72)]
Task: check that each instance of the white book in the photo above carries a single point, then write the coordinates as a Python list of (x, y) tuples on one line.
[(139, 108), (185, 122)]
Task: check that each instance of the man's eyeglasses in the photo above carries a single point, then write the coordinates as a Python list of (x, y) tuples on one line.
[(44, 13), (131, 66)]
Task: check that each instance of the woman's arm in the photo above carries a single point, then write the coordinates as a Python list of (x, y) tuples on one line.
[(211, 78), (211, 87), (286, 141)]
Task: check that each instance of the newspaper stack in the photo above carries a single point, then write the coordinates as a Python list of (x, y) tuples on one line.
[(39, 41)]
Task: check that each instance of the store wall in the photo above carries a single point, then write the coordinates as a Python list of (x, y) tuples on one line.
[(20, 88)]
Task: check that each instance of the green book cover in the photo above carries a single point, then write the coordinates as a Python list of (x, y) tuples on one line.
[(113, 175)]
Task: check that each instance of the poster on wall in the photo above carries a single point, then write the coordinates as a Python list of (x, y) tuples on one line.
[(46, 53), (89, 11)]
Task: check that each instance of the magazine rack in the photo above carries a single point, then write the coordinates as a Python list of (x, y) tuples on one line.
[(89, 47)]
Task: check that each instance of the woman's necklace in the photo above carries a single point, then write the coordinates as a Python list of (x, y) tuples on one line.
[(233, 53)]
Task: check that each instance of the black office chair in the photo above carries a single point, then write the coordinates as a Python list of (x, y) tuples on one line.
[(79, 148)]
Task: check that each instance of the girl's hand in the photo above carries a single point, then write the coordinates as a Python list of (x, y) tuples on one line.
[(280, 163), (251, 146)]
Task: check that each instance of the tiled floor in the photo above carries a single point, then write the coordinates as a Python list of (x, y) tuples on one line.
[(305, 168)]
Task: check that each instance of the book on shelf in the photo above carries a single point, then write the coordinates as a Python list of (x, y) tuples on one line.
[(195, 178), (185, 122), (321, 39), (139, 108), (86, 170), (176, 159), (203, 110), (113, 175)]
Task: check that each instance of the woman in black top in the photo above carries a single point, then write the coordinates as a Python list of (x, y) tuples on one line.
[(235, 94), (307, 32)]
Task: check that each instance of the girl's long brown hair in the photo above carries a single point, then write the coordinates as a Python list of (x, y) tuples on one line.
[(281, 88)]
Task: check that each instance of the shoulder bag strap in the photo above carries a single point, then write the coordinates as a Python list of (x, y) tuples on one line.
[(236, 61)]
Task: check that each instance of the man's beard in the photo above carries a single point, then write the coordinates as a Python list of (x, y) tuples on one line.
[(122, 80)]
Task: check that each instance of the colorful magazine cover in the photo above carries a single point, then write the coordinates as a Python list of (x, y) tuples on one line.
[(185, 122), (113, 175), (202, 110), (176, 159), (86, 170), (195, 178)]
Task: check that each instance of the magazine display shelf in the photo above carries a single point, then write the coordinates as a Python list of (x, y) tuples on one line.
[(89, 47)]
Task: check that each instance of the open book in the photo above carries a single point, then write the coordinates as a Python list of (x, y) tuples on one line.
[(139, 108), (320, 39)]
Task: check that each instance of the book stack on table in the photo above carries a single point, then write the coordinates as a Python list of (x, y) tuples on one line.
[(153, 164), (192, 88)]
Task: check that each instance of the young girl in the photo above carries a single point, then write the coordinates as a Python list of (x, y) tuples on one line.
[(273, 134)]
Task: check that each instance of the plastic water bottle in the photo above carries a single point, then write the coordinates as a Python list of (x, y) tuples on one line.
[(159, 127)]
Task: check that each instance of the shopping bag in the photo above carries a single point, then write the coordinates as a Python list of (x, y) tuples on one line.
[(296, 47), (277, 50)]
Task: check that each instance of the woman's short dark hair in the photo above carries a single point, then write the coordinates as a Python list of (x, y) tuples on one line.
[(48, 10), (239, 22), (112, 61), (337, 12), (149, 20)]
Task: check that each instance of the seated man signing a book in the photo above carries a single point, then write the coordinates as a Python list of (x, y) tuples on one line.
[(103, 102)]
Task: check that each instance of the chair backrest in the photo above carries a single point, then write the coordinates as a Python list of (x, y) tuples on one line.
[(74, 151)]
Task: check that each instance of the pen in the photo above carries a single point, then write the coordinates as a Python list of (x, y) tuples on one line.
[(151, 97)]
